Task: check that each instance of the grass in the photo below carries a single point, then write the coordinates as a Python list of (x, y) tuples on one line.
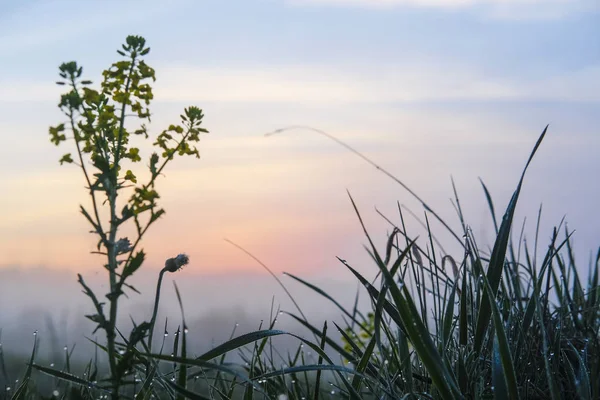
[(483, 325)]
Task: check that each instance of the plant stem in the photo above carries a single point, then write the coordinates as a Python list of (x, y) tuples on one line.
[(155, 311)]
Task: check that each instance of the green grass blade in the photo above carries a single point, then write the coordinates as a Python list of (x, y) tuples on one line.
[(488, 197), (504, 354), (21, 391), (182, 376), (582, 382), (70, 378), (318, 378), (498, 376), (238, 342), (498, 256)]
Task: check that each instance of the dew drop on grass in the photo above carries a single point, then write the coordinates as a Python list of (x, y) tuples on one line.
[(186, 330), (55, 393), (333, 392), (35, 333), (65, 348)]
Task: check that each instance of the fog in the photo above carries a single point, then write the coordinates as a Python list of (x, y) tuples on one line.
[(51, 303)]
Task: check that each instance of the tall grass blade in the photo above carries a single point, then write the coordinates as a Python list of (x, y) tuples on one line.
[(497, 258), (21, 391)]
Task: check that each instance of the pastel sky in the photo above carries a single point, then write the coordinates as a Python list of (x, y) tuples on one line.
[(426, 88)]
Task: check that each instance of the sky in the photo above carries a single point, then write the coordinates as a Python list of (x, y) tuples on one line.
[(428, 89)]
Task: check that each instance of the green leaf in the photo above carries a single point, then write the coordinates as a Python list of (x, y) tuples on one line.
[(133, 265)]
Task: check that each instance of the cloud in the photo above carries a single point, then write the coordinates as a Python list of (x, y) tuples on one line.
[(333, 85), (501, 9), (376, 84)]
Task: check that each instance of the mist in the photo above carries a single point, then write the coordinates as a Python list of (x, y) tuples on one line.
[(50, 302)]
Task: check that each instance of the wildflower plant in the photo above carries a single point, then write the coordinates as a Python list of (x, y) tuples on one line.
[(104, 151)]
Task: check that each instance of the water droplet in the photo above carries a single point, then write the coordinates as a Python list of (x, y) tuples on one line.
[(55, 393), (52, 364), (333, 392), (35, 332), (166, 333), (65, 348), (186, 330)]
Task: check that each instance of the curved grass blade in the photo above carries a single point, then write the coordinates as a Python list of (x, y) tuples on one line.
[(488, 197), (376, 166), (496, 263), (21, 391), (327, 296), (238, 342), (68, 377)]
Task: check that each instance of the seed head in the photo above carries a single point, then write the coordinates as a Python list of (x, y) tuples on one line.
[(176, 263)]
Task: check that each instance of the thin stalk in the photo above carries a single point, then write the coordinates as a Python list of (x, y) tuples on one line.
[(376, 166)]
